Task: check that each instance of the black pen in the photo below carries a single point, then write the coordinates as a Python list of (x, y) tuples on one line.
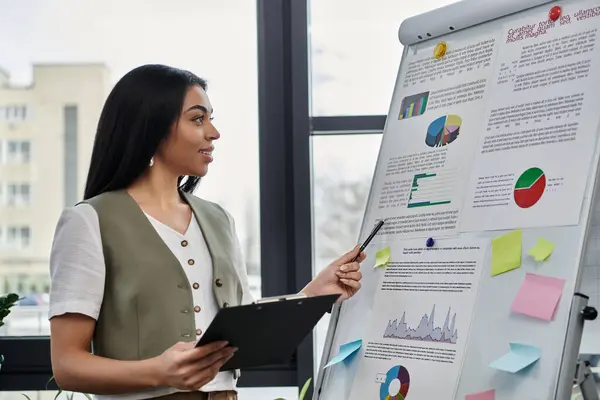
[(368, 240)]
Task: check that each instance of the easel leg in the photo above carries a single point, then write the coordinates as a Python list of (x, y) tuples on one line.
[(585, 379), (573, 371)]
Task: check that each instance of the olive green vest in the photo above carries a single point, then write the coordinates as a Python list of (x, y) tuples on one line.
[(147, 305)]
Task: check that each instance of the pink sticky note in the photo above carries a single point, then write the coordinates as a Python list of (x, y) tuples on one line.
[(487, 395), (538, 296)]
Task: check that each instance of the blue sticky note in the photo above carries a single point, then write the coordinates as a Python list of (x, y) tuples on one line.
[(520, 356), (346, 350)]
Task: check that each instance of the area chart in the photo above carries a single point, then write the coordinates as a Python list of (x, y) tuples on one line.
[(443, 131), (530, 187), (426, 331), (396, 385)]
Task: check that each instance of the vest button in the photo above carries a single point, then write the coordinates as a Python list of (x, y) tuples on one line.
[(184, 243), (191, 262), (197, 309), (198, 332), (218, 283), (195, 285), (225, 305)]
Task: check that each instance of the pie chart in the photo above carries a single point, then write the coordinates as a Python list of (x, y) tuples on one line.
[(397, 382), (443, 131), (530, 187)]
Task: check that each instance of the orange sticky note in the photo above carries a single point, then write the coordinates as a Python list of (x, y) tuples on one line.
[(487, 395), (538, 296)]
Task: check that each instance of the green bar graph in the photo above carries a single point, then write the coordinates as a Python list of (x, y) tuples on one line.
[(431, 189)]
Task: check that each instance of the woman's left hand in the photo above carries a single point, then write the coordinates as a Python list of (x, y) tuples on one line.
[(342, 277)]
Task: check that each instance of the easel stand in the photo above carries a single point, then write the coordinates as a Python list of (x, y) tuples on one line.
[(585, 381), (572, 366)]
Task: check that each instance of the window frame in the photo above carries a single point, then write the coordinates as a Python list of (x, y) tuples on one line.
[(348, 125)]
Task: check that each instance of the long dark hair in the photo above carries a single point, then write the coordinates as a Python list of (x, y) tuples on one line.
[(135, 119)]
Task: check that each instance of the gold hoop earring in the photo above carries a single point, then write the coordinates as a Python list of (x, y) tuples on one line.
[(152, 161)]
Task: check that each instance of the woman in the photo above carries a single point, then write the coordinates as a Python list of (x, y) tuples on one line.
[(140, 267)]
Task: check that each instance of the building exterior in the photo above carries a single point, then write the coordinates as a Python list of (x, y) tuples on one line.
[(46, 135)]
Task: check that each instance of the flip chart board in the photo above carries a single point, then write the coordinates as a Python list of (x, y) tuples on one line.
[(490, 149)]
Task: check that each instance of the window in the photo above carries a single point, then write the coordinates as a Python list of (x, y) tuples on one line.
[(18, 194), (70, 92), (14, 113), (76, 65), (355, 53), (18, 152), (341, 182), (18, 237)]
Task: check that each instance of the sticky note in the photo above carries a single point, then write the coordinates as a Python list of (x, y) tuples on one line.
[(538, 296), (542, 249), (382, 258), (487, 395), (520, 356), (506, 252), (346, 350)]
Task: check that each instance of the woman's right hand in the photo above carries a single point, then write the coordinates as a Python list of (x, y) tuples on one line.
[(187, 367)]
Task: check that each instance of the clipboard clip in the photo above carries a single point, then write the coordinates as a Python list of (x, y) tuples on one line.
[(275, 299)]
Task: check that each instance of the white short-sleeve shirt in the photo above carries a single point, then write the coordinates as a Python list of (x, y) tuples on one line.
[(77, 272)]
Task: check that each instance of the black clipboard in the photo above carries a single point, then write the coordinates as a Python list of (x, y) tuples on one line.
[(268, 331)]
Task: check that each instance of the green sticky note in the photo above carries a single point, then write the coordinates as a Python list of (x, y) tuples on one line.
[(542, 249), (382, 258), (506, 252)]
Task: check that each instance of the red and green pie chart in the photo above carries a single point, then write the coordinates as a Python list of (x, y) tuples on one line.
[(530, 187), (396, 385)]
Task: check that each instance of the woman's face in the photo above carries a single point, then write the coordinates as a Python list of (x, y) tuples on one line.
[(188, 149)]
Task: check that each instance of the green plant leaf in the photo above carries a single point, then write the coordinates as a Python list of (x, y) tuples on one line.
[(88, 396), (12, 297), (58, 394), (304, 389), (24, 395), (49, 382)]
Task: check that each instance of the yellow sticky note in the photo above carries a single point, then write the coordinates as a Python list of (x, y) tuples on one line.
[(382, 258), (542, 249), (506, 252)]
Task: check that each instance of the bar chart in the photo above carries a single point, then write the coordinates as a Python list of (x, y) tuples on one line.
[(432, 189), (413, 106)]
